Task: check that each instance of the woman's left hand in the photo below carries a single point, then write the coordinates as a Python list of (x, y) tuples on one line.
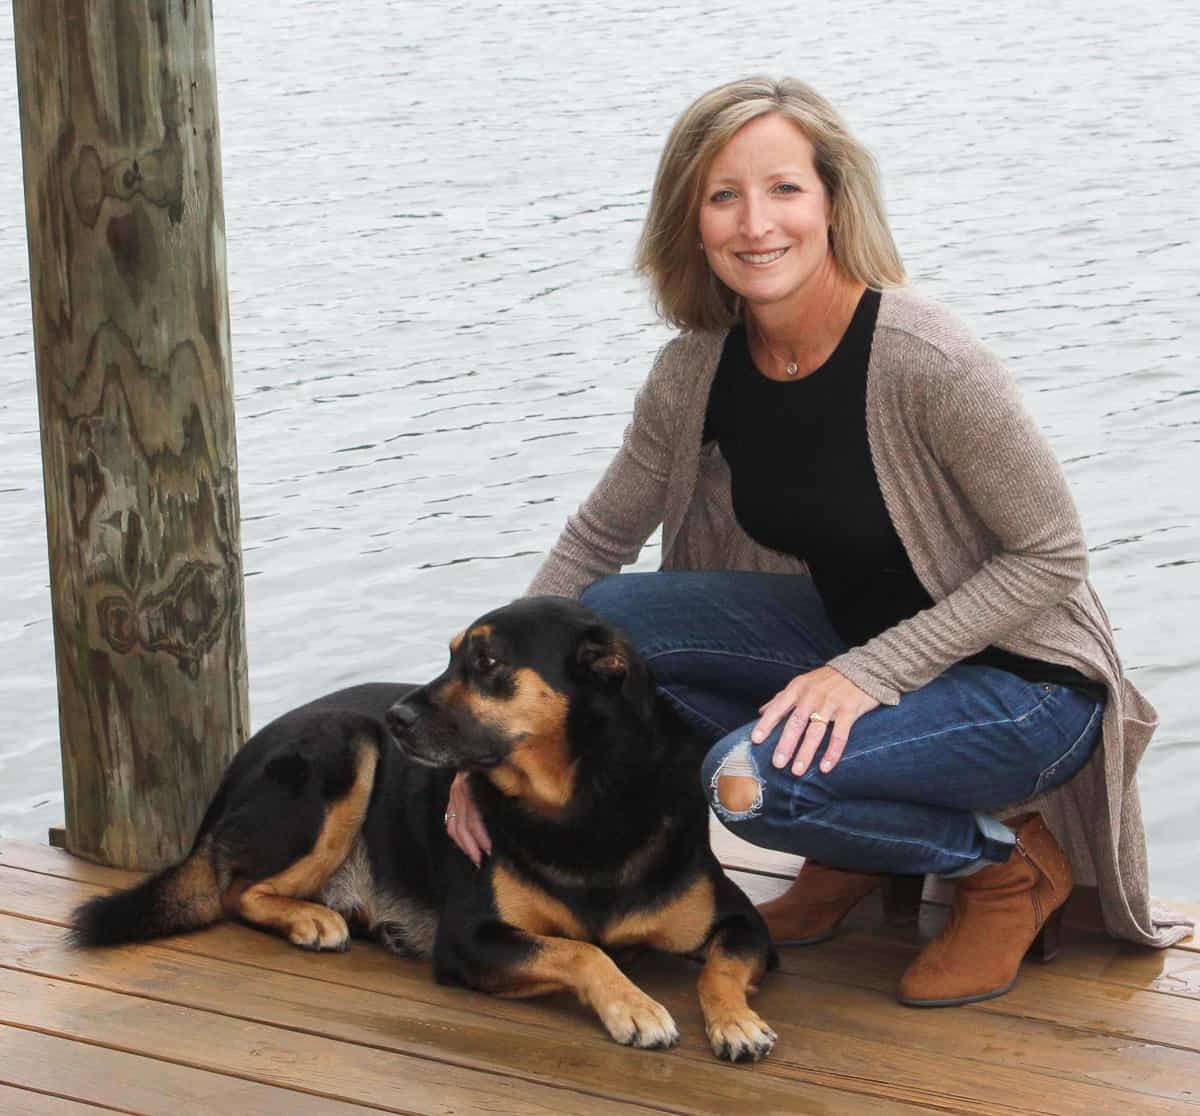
[(829, 695)]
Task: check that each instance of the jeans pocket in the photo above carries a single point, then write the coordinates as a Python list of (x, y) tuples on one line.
[(1073, 758)]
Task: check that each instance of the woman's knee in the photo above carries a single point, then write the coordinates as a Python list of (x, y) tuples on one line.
[(730, 776), (739, 779)]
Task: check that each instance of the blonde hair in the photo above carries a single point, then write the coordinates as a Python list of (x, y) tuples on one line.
[(686, 292)]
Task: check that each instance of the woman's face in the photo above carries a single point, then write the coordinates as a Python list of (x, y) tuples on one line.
[(764, 218)]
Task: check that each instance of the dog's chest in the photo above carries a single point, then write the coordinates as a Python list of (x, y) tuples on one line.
[(399, 922), (680, 925)]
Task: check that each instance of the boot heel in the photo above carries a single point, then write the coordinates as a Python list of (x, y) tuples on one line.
[(1045, 945), (902, 897)]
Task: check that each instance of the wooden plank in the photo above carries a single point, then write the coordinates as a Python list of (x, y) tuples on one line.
[(857, 1041), (845, 960), (132, 1083), (760, 873), (22, 1102), (1042, 992), (1091, 957), (405, 1024), (324, 1067)]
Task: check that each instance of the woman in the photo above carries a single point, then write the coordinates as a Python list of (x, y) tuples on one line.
[(945, 657)]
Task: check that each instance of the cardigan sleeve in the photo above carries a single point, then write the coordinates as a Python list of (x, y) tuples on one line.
[(1000, 482), (626, 505)]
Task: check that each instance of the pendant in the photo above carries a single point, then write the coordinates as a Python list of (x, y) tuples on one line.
[(792, 368)]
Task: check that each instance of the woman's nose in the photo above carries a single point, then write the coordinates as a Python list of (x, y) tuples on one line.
[(756, 218)]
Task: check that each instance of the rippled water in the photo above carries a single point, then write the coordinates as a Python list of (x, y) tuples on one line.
[(431, 211)]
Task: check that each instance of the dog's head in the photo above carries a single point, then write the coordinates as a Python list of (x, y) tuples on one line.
[(521, 685)]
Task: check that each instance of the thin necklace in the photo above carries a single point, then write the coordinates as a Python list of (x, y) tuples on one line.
[(790, 367)]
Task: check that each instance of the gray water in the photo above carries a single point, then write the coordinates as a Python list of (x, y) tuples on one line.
[(431, 211)]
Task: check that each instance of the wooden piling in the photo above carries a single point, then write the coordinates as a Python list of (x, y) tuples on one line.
[(125, 218)]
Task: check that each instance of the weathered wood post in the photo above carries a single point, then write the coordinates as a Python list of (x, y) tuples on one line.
[(131, 326)]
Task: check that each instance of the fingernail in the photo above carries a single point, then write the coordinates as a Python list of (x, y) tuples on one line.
[(826, 765), (779, 759), (756, 737)]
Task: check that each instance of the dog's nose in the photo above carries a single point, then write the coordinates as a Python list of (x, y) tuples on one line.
[(401, 716)]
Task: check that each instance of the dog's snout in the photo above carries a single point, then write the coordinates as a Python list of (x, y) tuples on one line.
[(401, 716)]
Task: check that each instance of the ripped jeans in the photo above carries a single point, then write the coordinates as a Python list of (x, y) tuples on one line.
[(911, 792)]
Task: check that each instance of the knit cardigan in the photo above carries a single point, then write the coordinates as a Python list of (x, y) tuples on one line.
[(982, 507)]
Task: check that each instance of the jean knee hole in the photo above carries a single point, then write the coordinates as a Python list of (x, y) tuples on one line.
[(737, 765)]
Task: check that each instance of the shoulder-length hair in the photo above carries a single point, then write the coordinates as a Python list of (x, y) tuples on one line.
[(686, 292)]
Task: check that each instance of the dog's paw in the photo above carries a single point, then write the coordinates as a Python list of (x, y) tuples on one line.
[(741, 1038), (634, 1019), (320, 929)]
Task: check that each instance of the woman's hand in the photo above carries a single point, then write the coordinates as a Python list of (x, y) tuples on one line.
[(463, 822), (835, 700)]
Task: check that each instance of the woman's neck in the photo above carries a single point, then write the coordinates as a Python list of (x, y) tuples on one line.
[(806, 328)]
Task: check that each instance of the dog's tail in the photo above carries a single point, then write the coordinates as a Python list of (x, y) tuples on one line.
[(185, 896)]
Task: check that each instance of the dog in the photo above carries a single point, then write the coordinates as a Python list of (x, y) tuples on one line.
[(331, 818)]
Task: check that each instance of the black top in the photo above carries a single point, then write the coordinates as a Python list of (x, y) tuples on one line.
[(808, 438)]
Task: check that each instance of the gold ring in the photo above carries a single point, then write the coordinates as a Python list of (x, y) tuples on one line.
[(449, 816), (818, 718)]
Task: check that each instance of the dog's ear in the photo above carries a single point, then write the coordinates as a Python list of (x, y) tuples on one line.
[(605, 660)]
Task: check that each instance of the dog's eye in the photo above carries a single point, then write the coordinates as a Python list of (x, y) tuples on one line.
[(483, 661)]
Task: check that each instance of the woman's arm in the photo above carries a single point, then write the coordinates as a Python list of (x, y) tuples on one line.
[(988, 446)]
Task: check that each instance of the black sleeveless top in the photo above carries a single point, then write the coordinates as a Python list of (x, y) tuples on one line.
[(803, 482)]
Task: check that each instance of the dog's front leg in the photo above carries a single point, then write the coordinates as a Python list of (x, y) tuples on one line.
[(733, 967), (538, 964)]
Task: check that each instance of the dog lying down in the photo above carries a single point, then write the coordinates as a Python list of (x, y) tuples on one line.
[(330, 817)]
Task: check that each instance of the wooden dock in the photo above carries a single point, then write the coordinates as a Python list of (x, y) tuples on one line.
[(233, 1021)]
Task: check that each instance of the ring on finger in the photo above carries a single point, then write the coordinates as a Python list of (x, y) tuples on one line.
[(449, 816), (817, 718)]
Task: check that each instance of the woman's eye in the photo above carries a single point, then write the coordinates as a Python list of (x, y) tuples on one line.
[(721, 195), (788, 188)]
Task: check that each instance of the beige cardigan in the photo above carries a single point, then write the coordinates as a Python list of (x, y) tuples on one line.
[(983, 510)]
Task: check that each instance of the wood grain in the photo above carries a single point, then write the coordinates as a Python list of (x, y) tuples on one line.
[(122, 162)]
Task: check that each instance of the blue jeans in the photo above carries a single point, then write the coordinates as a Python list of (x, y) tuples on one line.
[(911, 792)]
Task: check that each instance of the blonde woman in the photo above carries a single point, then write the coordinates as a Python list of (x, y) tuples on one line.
[(873, 596)]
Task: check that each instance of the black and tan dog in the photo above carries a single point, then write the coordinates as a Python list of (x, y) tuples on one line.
[(331, 817)]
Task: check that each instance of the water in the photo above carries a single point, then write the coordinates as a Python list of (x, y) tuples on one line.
[(436, 335)]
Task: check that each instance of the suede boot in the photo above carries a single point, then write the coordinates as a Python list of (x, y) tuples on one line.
[(998, 913), (819, 898)]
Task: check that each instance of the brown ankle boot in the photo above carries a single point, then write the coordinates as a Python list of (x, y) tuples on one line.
[(997, 914), (819, 898)]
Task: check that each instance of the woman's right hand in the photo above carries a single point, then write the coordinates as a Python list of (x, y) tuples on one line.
[(464, 823)]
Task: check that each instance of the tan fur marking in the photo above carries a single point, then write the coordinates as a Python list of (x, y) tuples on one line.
[(195, 886), (483, 631), (731, 1024), (680, 926), (557, 964), (276, 902), (535, 719), (528, 908)]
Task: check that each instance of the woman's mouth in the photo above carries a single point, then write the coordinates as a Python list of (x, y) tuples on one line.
[(760, 258)]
